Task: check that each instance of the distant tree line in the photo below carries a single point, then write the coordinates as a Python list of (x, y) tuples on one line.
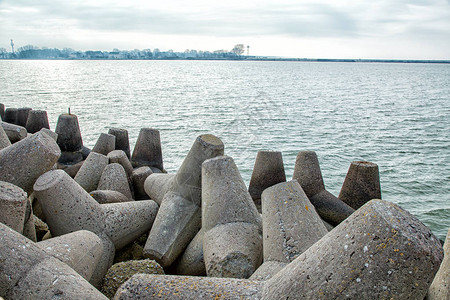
[(33, 52)]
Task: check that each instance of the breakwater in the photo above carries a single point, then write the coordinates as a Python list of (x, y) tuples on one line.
[(84, 209)]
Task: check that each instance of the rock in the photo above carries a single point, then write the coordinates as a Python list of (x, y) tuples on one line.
[(121, 272)]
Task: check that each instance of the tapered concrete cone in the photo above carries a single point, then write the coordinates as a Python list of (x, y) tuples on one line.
[(11, 115), (114, 178), (105, 144), (37, 119), (147, 151), (4, 140), (268, 171), (15, 133), (179, 217), (122, 141), (232, 244), (307, 173), (22, 116), (69, 134), (2, 111), (91, 171), (23, 162), (440, 287), (138, 177), (13, 205), (157, 185), (361, 184)]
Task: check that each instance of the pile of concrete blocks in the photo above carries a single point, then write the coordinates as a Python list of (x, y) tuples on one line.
[(276, 239)]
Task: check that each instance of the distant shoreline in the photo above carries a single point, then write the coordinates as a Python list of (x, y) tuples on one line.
[(255, 58)]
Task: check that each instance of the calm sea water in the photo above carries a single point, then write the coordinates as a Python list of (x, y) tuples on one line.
[(395, 115)]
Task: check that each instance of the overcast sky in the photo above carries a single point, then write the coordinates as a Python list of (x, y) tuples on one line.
[(414, 29)]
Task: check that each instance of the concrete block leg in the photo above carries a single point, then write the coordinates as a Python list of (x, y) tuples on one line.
[(138, 177), (122, 141), (440, 287), (4, 140), (22, 163), (88, 176), (69, 134), (15, 133), (307, 173), (361, 184), (105, 144), (191, 262), (379, 252), (147, 151), (22, 116), (157, 185), (13, 205), (114, 178), (11, 115), (37, 119)]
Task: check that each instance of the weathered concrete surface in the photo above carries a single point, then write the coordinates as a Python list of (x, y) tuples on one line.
[(13, 205), (2, 111), (120, 157), (107, 196), (88, 176), (191, 262), (122, 141), (157, 184), (307, 173), (379, 252), (267, 171), (28, 272), (361, 184), (114, 178), (4, 140), (69, 134), (168, 287), (29, 229), (105, 144), (81, 250), (267, 270), (440, 287), (179, 216), (290, 223), (138, 177), (23, 162), (68, 207), (11, 115), (121, 272), (232, 244), (37, 119), (50, 133), (22, 117), (15, 133), (147, 151)]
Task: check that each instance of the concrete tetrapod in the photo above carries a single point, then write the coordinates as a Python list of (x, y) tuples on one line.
[(68, 207), (157, 185), (122, 141), (22, 117), (379, 252), (138, 177), (147, 151), (29, 272), (4, 140), (440, 287), (15, 133), (11, 115), (232, 245), (105, 144), (307, 173), (37, 119), (192, 262), (23, 162), (114, 178), (13, 205), (361, 184), (268, 171), (179, 216), (290, 224), (69, 139), (88, 176), (120, 157), (2, 111)]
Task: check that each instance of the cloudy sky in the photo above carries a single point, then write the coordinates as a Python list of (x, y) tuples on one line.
[(408, 29)]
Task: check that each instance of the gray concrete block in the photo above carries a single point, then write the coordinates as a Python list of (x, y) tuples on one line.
[(28, 272), (157, 184), (361, 184), (440, 287), (192, 262), (138, 177), (23, 162), (105, 144), (267, 171), (13, 204), (142, 286), (37, 119), (50, 133), (379, 252), (114, 178), (122, 141), (11, 115), (147, 151), (4, 140), (290, 222), (22, 116), (307, 173), (2, 111), (106, 196), (267, 270), (69, 134), (232, 244), (120, 157), (15, 133), (89, 174)]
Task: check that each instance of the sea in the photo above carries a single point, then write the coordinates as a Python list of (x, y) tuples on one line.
[(396, 115)]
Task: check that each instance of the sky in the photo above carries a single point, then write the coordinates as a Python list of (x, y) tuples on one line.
[(380, 29)]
